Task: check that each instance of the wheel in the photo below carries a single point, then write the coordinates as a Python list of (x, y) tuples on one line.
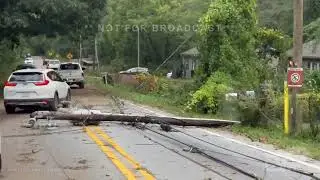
[(68, 98), (54, 104), (81, 85), (10, 109)]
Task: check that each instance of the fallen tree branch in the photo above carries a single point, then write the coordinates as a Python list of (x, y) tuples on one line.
[(180, 121)]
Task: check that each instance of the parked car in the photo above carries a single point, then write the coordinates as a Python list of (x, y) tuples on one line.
[(28, 60), (53, 64), (35, 87), (135, 70), (25, 66), (72, 73)]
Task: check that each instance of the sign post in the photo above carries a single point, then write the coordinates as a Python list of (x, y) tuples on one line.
[(295, 81), (286, 108)]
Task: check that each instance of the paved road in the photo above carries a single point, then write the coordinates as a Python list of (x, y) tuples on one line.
[(119, 151), (38, 62)]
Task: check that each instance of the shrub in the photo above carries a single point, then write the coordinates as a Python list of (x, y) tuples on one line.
[(208, 98), (146, 83), (263, 110)]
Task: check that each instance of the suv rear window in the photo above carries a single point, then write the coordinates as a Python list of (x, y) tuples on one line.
[(54, 62), (26, 76), (69, 67)]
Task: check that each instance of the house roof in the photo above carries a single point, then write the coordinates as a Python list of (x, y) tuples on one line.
[(191, 52), (310, 50)]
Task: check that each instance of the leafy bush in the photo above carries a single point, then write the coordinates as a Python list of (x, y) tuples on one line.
[(147, 83), (263, 110), (177, 90), (208, 98)]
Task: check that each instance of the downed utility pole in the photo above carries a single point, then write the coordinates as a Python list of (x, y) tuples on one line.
[(180, 121)]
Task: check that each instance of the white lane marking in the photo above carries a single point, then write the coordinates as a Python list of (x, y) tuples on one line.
[(263, 150), (242, 143)]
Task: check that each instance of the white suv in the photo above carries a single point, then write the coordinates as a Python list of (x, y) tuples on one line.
[(35, 87)]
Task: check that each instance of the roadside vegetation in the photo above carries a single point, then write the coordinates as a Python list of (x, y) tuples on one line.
[(236, 53), (238, 41)]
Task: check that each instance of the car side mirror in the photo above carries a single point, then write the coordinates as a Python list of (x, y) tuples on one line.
[(83, 68)]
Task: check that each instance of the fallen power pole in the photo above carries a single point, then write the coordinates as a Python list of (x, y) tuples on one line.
[(180, 121)]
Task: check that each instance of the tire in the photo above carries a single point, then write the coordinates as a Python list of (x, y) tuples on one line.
[(68, 98), (10, 109), (54, 104), (81, 85)]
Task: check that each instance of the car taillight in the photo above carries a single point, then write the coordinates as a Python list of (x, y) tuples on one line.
[(43, 83), (7, 83)]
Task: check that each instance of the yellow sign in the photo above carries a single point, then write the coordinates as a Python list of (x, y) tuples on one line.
[(69, 56)]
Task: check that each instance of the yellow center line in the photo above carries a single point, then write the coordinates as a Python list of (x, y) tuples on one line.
[(147, 175), (107, 151)]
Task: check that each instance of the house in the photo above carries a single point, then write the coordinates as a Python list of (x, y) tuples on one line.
[(310, 56), (190, 61)]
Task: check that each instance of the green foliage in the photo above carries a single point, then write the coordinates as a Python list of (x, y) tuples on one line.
[(124, 16), (208, 98), (313, 81), (312, 10), (312, 31), (9, 58), (177, 90), (50, 17), (228, 44), (263, 110), (277, 14)]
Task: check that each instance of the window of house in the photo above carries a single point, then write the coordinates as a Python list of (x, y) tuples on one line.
[(314, 66)]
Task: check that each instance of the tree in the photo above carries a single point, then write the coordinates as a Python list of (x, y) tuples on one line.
[(227, 40), (50, 17), (156, 44), (312, 10)]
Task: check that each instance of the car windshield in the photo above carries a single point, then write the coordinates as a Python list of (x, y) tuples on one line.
[(26, 76), (69, 67)]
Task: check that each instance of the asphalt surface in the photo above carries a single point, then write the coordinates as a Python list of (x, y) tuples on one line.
[(119, 151)]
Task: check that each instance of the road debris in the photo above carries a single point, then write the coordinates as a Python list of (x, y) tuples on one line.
[(83, 115)]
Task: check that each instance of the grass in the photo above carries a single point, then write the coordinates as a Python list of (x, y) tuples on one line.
[(299, 145), (275, 136)]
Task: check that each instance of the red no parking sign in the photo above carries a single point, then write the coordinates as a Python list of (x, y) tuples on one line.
[(295, 77)]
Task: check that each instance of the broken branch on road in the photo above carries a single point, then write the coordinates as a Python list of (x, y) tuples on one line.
[(94, 116)]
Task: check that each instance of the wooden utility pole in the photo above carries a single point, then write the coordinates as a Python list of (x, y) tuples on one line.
[(80, 49), (96, 53), (138, 44), (297, 56)]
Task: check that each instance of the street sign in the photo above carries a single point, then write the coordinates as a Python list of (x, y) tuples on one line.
[(295, 77), (69, 56)]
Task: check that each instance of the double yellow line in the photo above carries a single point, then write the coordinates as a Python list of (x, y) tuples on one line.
[(94, 132)]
